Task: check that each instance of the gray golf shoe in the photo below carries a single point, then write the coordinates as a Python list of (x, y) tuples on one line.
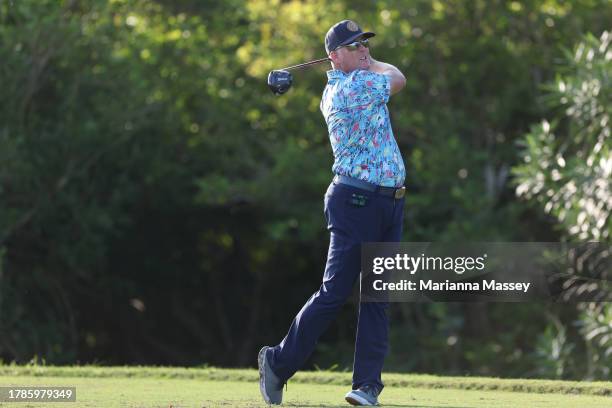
[(365, 395), (270, 385)]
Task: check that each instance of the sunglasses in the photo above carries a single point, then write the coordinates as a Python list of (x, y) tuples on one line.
[(354, 46)]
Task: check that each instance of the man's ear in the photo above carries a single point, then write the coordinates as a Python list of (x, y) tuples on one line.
[(334, 56), (335, 59)]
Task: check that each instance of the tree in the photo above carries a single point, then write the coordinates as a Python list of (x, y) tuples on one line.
[(567, 170)]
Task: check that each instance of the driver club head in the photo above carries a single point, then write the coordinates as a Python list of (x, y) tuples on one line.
[(279, 81)]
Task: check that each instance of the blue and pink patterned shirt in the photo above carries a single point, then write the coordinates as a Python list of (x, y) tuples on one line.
[(355, 108)]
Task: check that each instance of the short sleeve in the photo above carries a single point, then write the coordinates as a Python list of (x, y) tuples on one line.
[(368, 87)]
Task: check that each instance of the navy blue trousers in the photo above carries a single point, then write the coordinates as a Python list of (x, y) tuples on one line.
[(379, 220)]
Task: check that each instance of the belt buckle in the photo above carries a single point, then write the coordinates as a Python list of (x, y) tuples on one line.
[(400, 192)]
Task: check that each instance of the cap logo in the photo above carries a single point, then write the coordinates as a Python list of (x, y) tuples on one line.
[(352, 26)]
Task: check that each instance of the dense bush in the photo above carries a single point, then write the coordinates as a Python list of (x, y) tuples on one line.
[(159, 205)]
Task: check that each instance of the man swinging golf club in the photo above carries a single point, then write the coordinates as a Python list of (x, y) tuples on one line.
[(364, 203)]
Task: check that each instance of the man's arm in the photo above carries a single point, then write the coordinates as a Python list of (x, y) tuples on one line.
[(398, 80)]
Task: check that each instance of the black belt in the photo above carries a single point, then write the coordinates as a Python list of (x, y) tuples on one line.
[(396, 193)]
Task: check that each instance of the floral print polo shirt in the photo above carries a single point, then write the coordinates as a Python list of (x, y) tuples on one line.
[(354, 105)]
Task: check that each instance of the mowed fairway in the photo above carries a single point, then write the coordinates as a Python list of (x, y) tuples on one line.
[(147, 391)]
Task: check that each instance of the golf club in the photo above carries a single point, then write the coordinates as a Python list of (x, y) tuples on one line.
[(280, 80)]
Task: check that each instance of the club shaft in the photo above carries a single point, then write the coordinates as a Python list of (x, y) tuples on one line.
[(306, 64)]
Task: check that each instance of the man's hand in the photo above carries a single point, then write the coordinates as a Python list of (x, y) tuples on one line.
[(398, 80)]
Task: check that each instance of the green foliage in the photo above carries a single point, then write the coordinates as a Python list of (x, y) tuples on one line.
[(553, 352), (570, 173), (595, 325), (159, 205), (566, 168)]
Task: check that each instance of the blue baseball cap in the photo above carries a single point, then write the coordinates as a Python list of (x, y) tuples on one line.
[(343, 33)]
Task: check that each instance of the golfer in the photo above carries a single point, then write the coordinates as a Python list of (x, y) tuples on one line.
[(364, 203)]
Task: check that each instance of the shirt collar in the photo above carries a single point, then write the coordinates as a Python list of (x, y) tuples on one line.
[(335, 74)]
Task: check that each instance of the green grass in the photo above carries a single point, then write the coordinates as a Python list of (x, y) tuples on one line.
[(210, 387)]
